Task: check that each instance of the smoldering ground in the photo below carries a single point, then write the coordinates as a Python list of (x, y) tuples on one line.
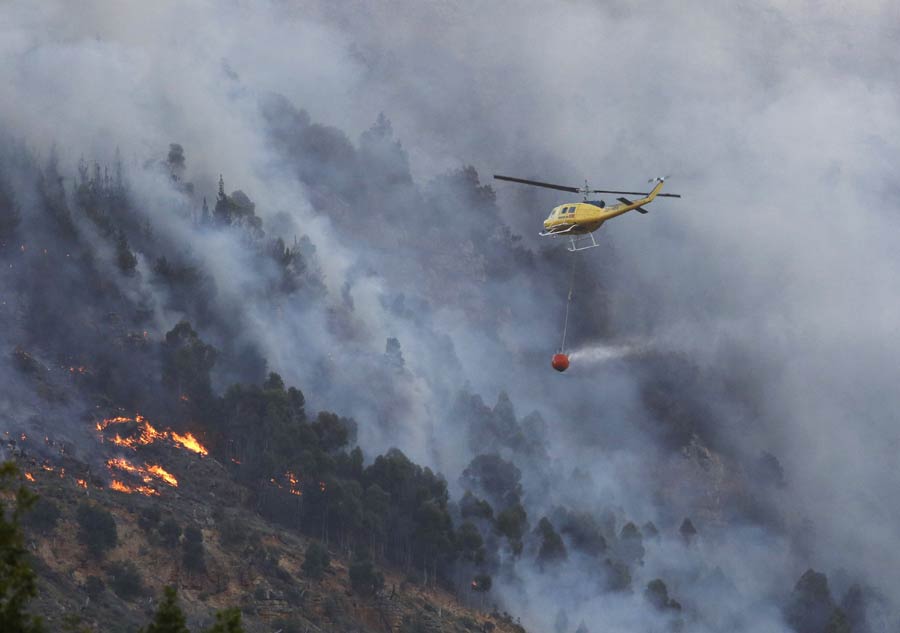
[(770, 281)]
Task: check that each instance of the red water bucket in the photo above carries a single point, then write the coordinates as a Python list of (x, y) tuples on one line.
[(560, 362)]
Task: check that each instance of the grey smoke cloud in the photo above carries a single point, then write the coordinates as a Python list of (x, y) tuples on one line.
[(773, 274)]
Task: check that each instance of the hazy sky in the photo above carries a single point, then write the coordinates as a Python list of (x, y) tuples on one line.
[(777, 122)]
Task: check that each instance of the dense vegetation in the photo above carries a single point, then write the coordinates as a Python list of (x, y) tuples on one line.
[(303, 469)]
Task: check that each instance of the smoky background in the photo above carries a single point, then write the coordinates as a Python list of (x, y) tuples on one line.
[(756, 316)]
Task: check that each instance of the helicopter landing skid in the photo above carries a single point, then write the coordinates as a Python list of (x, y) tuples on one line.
[(582, 243)]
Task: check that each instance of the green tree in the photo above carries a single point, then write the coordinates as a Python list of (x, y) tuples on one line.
[(43, 516), (552, 550), (687, 531), (273, 382), (838, 623), (125, 579), (9, 212), (471, 507), (175, 162), (496, 477), (94, 587), (365, 578), (17, 580), (376, 510), (227, 621), (657, 594), (170, 532), (470, 543), (168, 617), (96, 529), (193, 549), (512, 524), (584, 532), (187, 361), (433, 537), (810, 606), (616, 575), (631, 543), (316, 561), (482, 583), (125, 259), (334, 432), (149, 517)]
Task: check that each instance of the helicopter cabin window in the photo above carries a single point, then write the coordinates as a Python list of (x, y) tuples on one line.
[(571, 210)]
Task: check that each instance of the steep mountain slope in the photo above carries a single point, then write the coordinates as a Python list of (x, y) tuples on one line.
[(246, 562)]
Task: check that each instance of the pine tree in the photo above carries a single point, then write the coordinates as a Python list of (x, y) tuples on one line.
[(193, 549), (687, 531), (204, 215), (316, 561), (17, 580), (227, 621), (168, 618)]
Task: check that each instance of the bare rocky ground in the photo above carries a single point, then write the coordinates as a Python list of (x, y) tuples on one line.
[(249, 563)]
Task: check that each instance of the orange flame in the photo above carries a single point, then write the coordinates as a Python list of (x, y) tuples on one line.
[(29, 476), (81, 482), (144, 490), (149, 434), (122, 464), (189, 442), (293, 484), (166, 476), (147, 474)]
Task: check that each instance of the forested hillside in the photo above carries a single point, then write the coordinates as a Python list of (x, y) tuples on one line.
[(272, 338), (116, 414)]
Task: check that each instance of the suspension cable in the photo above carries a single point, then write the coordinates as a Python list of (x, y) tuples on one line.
[(562, 348)]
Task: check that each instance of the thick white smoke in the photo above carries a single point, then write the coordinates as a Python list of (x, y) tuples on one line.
[(773, 274)]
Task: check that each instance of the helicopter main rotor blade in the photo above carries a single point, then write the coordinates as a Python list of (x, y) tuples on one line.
[(546, 185), (636, 193)]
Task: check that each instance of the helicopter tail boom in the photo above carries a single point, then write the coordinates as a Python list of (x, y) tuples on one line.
[(653, 192)]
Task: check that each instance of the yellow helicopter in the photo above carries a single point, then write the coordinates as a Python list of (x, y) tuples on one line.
[(579, 220)]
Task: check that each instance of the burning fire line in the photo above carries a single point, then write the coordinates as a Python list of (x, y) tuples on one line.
[(160, 472), (144, 490), (149, 434), (148, 474), (59, 472), (189, 442)]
